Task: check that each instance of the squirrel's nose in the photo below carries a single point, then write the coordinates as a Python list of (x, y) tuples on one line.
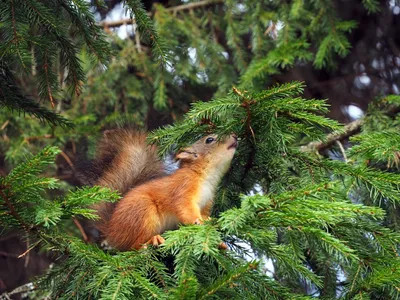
[(234, 136)]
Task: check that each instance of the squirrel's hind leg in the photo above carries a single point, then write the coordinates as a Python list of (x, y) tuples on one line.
[(155, 241)]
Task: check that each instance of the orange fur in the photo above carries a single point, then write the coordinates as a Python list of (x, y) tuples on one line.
[(184, 197)]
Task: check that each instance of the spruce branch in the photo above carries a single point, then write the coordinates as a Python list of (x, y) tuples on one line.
[(371, 5), (377, 147), (33, 167), (11, 98), (43, 13), (147, 30), (160, 93), (230, 278), (34, 37), (91, 31), (282, 91)]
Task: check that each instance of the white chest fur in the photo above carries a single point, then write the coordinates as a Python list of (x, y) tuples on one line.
[(209, 186), (207, 192)]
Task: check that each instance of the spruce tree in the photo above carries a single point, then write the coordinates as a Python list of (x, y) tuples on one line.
[(309, 206)]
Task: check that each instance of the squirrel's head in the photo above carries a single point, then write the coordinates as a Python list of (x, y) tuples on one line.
[(210, 151)]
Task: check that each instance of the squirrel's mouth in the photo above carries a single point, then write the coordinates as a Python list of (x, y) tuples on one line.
[(233, 145)]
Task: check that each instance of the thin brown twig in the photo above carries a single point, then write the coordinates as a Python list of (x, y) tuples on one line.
[(13, 20), (73, 146), (174, 10), (237, 91), (137, 41), (13, 212), (4, 125), (271, 28), (46, 66), (67, 159), (27, 255), (342, 150), (118, 23), (84, 235), (40, 137), (28, 250), (355, 277), (247, 102), (193, 5)]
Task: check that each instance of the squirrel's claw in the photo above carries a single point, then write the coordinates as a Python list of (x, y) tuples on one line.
[(198, 221), (156, 241)]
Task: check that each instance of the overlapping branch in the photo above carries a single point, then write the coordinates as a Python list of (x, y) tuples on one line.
[(349, 130)]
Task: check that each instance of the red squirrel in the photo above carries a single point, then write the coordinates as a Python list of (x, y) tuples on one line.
[(153, 201)]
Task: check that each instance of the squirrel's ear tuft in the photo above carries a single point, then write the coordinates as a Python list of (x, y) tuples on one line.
[(186, 155)]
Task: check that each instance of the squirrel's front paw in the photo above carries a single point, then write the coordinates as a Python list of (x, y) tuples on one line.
[(198, 221)]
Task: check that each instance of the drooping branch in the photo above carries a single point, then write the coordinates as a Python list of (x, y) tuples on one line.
[(349, 130)]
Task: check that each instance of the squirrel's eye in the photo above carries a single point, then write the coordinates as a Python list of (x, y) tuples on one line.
[(209, 140)]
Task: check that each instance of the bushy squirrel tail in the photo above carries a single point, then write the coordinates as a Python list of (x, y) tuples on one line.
[(123, 160)]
